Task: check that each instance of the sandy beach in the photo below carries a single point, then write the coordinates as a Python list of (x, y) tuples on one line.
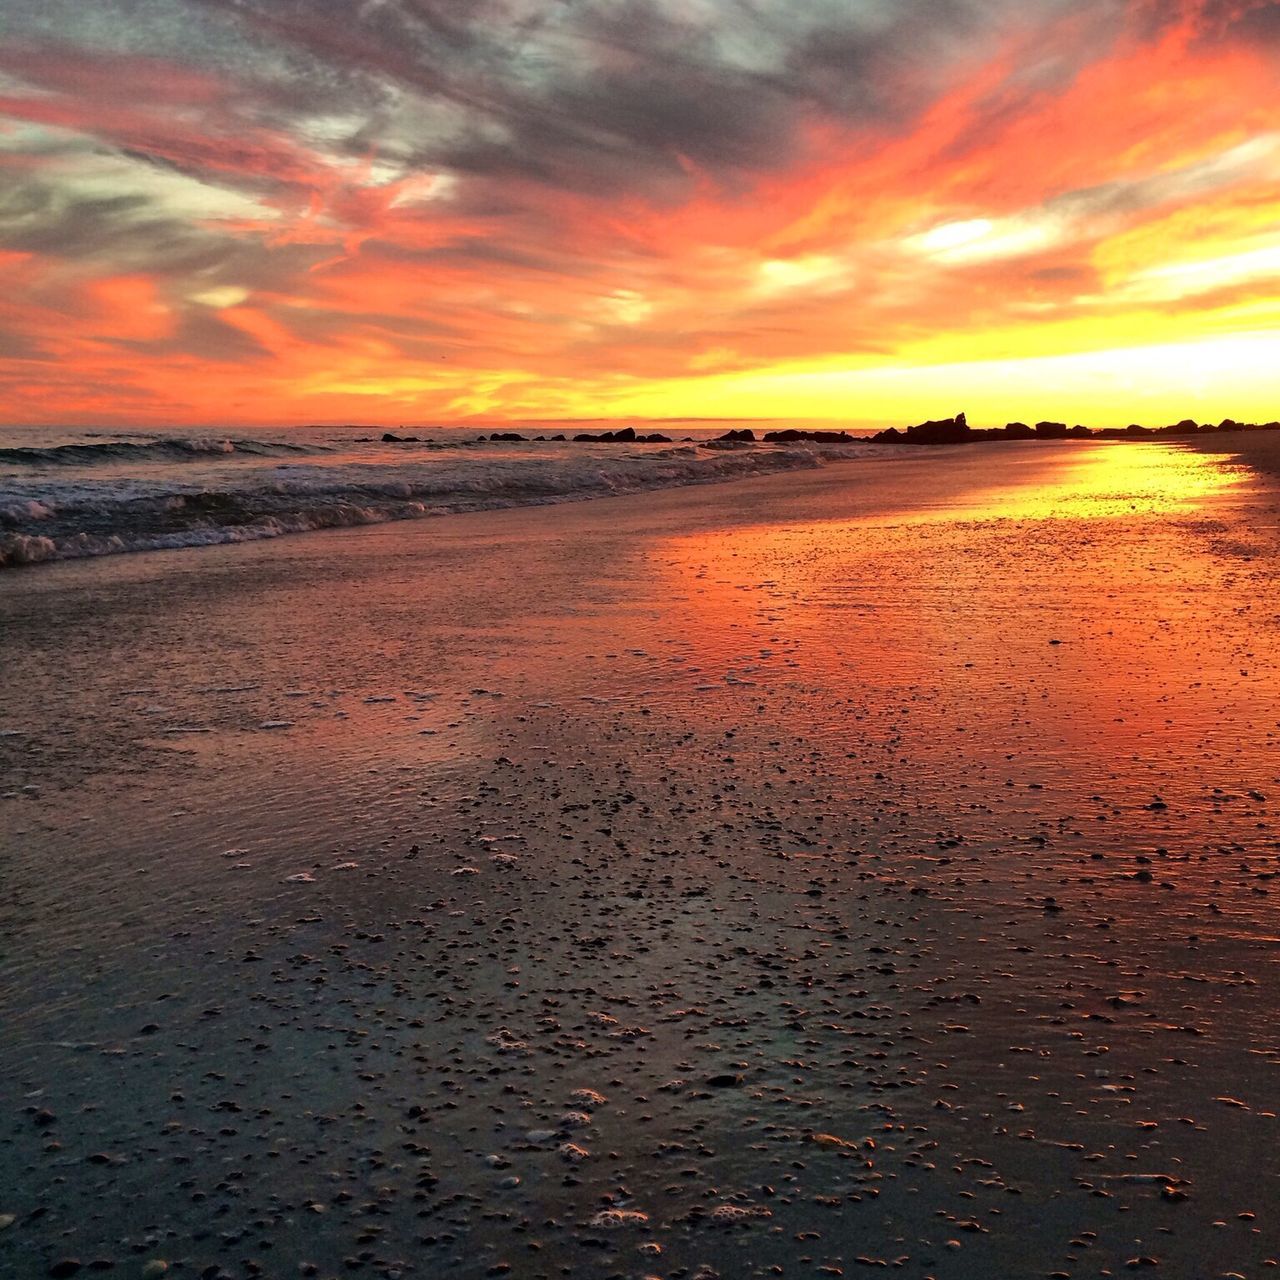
[(863, 868)]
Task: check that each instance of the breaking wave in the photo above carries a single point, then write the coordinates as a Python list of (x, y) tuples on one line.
[(177, 449), (102, 519)]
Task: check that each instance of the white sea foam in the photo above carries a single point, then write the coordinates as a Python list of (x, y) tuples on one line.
[(194, 493)]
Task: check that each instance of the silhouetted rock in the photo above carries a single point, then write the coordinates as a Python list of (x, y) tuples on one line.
[(957, 431), (390, 437), (738, 433), (507, 435), (793, 435), (624, 435), (942, 431)]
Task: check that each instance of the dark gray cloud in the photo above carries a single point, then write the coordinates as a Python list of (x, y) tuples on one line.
[(599, 94), (613, 96), (129, 232), (122, 230), (1252, 23), (1256, 23), (199, 329), (313, 113), (590, 96), (17, 345)]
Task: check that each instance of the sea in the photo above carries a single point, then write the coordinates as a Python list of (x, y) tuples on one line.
[(72, 492)]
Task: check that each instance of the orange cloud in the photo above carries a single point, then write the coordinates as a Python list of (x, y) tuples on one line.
[(374, 234)]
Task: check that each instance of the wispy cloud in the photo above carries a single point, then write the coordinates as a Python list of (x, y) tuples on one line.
[(516, 207)]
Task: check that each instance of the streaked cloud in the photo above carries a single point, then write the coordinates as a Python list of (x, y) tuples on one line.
[(519, 208)]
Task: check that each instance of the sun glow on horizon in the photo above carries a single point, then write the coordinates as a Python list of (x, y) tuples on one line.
[(1108, 387)]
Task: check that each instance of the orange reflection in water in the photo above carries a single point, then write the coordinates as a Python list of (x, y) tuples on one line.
[(999, 520), (1030, 655)]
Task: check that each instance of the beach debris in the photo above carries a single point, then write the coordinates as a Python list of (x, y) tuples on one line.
[(616, 1219), (506, 1041)]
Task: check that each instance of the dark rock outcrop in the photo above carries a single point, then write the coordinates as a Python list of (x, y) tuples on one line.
[(957, 431), (624, 435), (941, 431), (793, 435)]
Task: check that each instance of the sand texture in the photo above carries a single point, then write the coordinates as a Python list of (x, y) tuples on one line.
[(872, 868)]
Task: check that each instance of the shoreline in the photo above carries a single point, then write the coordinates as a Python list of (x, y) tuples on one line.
[(192, 518)]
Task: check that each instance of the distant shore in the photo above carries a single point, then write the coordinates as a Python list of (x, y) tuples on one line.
[(940, 431)]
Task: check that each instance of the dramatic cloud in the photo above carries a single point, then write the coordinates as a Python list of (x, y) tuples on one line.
[(269, 210)]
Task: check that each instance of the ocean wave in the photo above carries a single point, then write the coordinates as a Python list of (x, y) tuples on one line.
[(169, 449), (104, 521)]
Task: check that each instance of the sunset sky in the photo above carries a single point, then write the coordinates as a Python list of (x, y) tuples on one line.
[(269, 211)]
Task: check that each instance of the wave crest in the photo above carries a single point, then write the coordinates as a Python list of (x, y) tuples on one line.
[(104, 521), (175, 449)]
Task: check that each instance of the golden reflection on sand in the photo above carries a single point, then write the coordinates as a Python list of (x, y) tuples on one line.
[(1099, 480), (1001, 624), (1092, 484)]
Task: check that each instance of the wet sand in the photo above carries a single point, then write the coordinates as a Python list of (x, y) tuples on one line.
[(868, 868), (1260, 451)]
